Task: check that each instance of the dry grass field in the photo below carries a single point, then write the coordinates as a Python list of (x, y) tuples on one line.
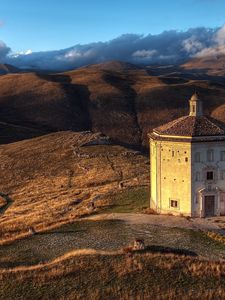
[(57, 169), (91, 274), (108, 235), (52, 180)]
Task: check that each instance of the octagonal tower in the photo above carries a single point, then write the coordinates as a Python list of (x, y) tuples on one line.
[(188, 165)]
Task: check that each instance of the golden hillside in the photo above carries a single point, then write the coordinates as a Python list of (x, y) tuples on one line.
[(211, 65), (52, 179), (86, 274), (117, 99)]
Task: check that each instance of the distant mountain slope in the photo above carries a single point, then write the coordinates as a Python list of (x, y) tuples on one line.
[(114, 66), (7, 69), (219, 113), (118, 99), (212, 65)]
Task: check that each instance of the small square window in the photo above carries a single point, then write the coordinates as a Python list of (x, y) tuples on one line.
[(209, 175), (174, 203)]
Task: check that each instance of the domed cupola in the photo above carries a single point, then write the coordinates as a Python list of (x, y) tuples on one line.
[(195, 106)]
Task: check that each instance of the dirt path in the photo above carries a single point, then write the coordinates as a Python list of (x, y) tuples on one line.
[(215, 223)]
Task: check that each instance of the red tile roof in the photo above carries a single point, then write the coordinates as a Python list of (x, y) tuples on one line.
[(192, 126)]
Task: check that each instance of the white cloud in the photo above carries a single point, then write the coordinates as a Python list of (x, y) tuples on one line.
[(75, 54), (217, 46), (17, 54), (144, 53), (192, 45), (4, 50), (220, 36), (72, 54), (211, 51), (28, 52), (172, 47)]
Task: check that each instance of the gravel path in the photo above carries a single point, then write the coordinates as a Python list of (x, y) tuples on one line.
[(108, 235), (205, 224)]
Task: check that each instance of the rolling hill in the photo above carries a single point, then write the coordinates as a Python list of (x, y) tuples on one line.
[(74, 157), (118, 99), (86, 274), (211, 65), (51, 180), (8, 69)]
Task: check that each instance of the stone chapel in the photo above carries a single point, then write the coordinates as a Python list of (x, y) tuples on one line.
[(187, 159)]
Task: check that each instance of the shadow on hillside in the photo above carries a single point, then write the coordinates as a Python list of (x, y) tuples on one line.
[(60, 78), (125, 85), (78, 98), (9, 202), (169, 250), (42, 117), (180, 73), (61, 232)]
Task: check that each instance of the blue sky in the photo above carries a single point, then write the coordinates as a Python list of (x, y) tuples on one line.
[(43, 25)]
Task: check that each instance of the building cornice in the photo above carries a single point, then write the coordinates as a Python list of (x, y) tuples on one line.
[(188, 139)]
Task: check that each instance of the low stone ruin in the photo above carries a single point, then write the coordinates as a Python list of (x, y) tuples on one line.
[(139, 244), (31, 230), (97, 139), (91, 206)]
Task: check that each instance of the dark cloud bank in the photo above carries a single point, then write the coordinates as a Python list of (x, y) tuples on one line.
[(169, 47)]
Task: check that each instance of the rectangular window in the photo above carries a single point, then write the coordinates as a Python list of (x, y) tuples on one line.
[(197, 176), (222, 175), (174, 203), (209, 175), (210, 155), (222, 155), (197, 157)]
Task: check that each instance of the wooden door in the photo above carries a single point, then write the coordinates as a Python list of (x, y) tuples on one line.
[(209, 206), (222, 204)]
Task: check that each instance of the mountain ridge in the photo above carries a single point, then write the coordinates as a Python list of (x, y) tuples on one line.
[(8, 69), (120, 100)]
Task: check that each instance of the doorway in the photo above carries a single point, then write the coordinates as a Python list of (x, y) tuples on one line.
[(209, 206)]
